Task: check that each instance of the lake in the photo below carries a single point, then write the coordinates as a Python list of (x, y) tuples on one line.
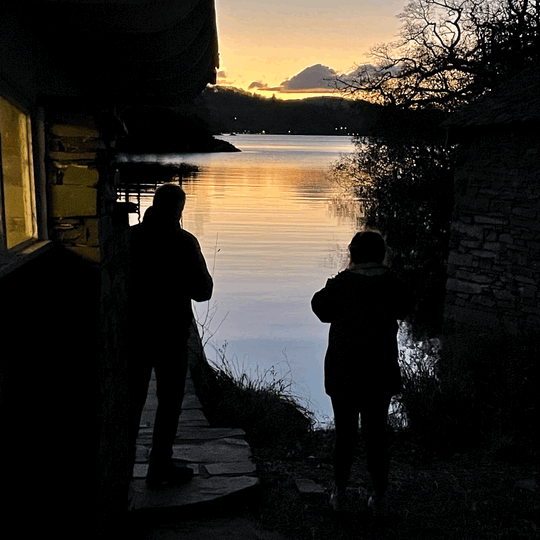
[(273, 228)]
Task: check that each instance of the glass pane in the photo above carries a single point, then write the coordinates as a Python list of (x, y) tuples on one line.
[(18, 189)]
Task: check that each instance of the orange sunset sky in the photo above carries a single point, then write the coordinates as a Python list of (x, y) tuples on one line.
[(287, 47)]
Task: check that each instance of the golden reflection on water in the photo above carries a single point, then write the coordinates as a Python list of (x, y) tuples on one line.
[(273, 227)]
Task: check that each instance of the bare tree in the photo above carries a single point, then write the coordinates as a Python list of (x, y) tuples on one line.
[(448, 52)]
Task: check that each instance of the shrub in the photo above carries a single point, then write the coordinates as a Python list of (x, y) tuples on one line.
[(404, 187), (475, 390)]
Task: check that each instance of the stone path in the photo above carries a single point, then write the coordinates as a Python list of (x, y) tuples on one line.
[(219, 457)]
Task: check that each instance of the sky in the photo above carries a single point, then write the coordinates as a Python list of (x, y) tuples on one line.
[(288, 48)]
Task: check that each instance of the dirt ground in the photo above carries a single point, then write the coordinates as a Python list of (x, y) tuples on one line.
[(477, 495)]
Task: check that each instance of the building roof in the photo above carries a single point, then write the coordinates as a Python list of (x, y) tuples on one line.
[(517, 100), (131, 51)]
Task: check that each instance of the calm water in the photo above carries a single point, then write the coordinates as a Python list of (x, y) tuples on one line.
[(272, 228)]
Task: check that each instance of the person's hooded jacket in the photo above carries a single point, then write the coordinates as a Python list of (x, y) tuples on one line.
[(362, 306), (168, 270)]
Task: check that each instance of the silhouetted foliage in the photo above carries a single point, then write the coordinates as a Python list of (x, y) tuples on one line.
[(404, 183), (449, 52), (229, 110)]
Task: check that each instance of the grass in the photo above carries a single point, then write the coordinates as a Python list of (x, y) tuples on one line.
[(261, 403)]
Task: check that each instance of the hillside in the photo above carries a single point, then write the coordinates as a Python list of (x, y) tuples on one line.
[(229, 110)]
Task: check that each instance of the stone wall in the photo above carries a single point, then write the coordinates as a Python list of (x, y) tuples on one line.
[(494, 260), (72, 179), (86, 221)]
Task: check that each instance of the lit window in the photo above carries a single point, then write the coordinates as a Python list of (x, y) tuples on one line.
[(17, 202)]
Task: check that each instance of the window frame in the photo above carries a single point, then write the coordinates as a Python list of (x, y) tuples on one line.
[(12, 258)]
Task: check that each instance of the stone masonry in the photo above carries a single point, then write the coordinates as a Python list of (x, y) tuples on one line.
[(494, 260)]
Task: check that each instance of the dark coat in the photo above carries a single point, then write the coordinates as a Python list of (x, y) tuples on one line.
[(362, 306), (168, 270)]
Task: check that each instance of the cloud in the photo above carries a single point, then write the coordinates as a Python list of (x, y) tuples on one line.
[(315, 78), (258, 85), (223, 78)]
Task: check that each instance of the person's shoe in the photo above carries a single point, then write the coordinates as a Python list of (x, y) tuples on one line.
[(338, 500), (172, 475)]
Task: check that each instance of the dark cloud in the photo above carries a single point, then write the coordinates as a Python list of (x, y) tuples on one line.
[(315, 78), (259, 85)]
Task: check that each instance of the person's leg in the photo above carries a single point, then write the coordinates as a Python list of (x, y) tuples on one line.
[(170, 381), (139, 373), (346, 435), (374, 418)]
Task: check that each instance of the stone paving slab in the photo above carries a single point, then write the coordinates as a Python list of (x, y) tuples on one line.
[(219, 457), (193, 434), (191, 401), (140, 469), (198, 490), (220, 451), (232, 468), (192, 414), (200, 422), (307, 486)]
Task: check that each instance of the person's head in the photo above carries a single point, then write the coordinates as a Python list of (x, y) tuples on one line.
[(367, 246), (169, 200)]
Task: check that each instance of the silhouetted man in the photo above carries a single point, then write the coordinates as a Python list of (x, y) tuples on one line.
[(168, 270)]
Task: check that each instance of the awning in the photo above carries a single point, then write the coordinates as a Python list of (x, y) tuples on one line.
[(128, 51)]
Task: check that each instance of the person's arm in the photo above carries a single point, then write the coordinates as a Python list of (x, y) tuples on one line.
[(323, 303), (202, 282)]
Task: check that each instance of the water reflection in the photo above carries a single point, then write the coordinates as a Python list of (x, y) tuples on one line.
[(273, 228)]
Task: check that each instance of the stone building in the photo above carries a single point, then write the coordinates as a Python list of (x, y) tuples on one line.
[(494, 260), (67, 70)]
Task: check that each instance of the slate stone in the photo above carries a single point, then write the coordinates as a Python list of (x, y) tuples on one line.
[(196, 491), (141, 453), (192, 414), (208, 433), (189, 387), (141, 469), (147, 416), (230, 469), (191, 401), (222, 451), (192, 423), (308, 487)]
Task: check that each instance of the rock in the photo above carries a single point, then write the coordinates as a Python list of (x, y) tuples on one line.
[(308, 487)]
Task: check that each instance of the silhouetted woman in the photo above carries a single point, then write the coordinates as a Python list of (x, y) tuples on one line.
[(362, 305)]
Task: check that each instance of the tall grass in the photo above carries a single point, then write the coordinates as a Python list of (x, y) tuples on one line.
[(262, 402)]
